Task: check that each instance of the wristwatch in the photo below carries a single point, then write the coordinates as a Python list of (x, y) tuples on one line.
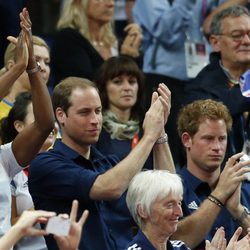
[(162, 140), (244, 215), (34, 70)]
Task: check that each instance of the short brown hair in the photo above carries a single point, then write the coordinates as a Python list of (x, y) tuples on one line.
[(62, 92), (192, 115)]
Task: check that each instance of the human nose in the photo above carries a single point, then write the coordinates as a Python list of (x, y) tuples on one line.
[(43, 66), (126, 85), (95, 118), (217, 145), (178, 211), (246, 38)]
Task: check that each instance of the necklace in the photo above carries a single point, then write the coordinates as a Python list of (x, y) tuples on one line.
[(98, 44)]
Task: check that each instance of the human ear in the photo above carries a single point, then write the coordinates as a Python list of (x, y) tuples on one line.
[(186, 140), (10, 64), (215, 42), (143, 214), (19, 125), (60, 116)]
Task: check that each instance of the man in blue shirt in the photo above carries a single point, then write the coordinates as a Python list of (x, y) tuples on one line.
[(73, 169), (212, 198)]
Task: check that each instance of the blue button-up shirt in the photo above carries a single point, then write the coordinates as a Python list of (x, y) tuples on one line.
[(166, 28)]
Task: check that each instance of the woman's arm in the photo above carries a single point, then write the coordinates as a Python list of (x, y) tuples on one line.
[(28, 142), (24, 227)]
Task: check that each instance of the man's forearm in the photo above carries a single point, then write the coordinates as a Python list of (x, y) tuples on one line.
[(163, 157), (242, 216), (200, 222), (114, 182)]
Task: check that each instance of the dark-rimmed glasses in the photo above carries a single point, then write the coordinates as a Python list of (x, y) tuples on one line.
[(237, 35)]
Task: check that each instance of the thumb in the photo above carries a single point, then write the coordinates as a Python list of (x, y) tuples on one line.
[(12, 39), (208, 245), (154, 97)]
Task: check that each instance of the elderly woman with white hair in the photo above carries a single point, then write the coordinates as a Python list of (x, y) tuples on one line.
[(154, 200)]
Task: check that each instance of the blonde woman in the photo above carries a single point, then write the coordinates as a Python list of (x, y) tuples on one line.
[(85, 39), (22, 83)]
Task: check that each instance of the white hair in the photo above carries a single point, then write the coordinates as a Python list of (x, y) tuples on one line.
[(148, 186)]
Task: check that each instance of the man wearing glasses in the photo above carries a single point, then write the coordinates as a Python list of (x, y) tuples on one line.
[(220, 80)]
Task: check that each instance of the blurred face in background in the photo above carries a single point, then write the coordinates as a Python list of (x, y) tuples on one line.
[(20, 125), (100, 11), (42, 56), (122, 92)]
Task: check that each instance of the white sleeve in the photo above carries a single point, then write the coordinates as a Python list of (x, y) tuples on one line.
[(8, 160)]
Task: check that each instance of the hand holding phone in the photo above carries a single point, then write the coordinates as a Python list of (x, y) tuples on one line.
[(58, 226)]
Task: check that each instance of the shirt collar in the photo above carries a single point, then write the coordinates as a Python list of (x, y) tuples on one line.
[(193, 181), (72, 154), (227, 73)]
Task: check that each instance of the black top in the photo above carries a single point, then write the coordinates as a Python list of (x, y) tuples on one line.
[(73, 55)]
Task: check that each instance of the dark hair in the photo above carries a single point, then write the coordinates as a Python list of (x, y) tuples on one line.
[(62, 92), (18, 112), (117, 66)]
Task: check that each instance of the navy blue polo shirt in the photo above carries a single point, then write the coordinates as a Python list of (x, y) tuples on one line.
[(116, 214), (196, 191), (141, 242), (61, 175)]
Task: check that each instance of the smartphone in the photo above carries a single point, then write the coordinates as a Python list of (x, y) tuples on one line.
[(58, 226)]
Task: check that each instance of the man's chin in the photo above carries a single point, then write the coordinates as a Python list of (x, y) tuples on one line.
[(213, 166)]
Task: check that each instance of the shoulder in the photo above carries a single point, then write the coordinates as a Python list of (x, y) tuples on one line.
[(8, 160)]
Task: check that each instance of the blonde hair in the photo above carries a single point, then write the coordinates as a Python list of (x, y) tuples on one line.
[(9, 53), (74, 16)]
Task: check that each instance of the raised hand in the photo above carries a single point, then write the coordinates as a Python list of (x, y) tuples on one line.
[(71, 241), (243, 244), (26, 25), (218, 242), (165, 98), (21, 50), (132, 41), (231, 176), (26, 222)]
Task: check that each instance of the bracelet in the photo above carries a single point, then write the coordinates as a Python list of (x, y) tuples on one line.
[(162, 139), (215, 200), (34, 70)]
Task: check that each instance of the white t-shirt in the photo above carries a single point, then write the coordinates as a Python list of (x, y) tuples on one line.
[(8, 169), (19, 189)]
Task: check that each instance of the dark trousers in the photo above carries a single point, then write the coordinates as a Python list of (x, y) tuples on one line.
[(177, 96)]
